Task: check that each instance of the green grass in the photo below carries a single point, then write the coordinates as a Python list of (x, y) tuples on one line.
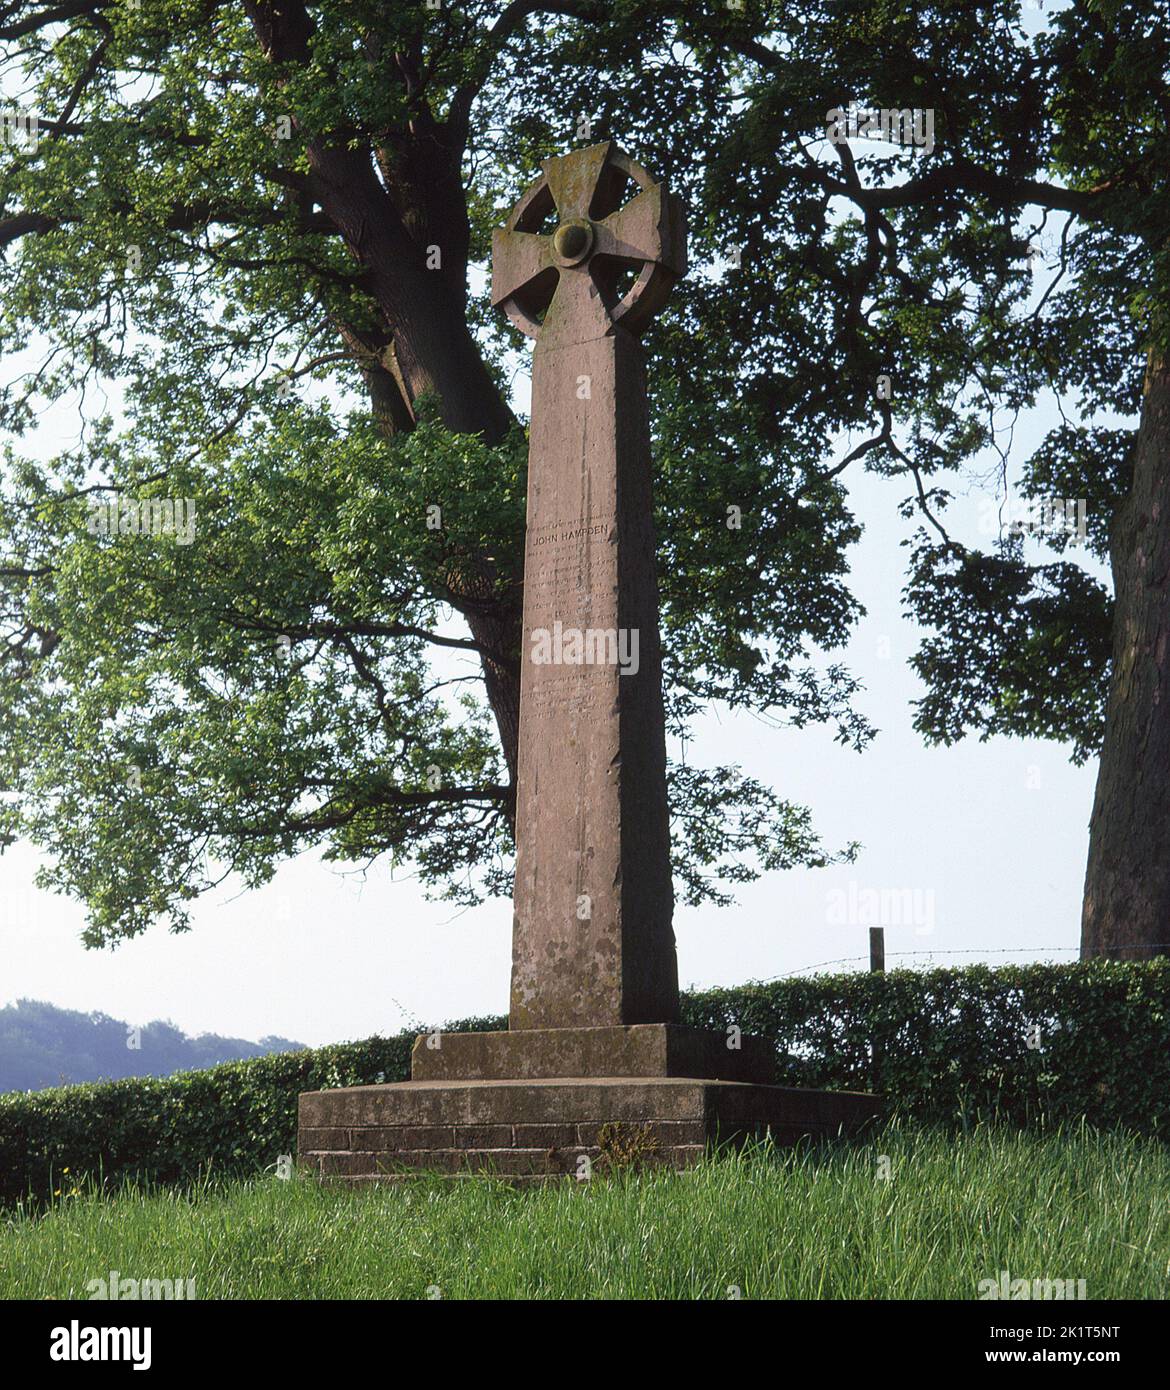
[(812, 1223)]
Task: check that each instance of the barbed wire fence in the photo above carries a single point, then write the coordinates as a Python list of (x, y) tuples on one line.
[(1038, 951)]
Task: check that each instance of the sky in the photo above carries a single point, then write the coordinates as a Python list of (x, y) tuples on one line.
[(980, 850)]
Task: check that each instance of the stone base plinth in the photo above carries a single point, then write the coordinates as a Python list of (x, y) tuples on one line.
[(639, 1049), (536, 1129)]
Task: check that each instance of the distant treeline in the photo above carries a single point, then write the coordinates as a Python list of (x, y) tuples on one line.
[(42, 1045)]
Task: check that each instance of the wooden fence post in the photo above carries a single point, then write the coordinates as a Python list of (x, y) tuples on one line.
[(877, 965)]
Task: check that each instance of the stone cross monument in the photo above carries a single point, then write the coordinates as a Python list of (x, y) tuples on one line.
[(586, 259), (592, 941)]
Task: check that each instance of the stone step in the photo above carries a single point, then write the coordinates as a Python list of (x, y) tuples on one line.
[(633, 1050), (545, 1127), (571, 1100), (391, 1138), (504, 1162)]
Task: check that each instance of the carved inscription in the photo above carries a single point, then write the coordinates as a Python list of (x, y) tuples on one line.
[(563, 569)]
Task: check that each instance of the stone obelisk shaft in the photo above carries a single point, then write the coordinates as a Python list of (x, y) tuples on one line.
[(593, 944)]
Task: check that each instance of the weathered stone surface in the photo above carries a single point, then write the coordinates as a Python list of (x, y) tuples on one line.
[(378, 1139), (483, 1136), (553, 1123), (502, 1102), (546, 1136), (506, 1163), (648, 1049), (666, 1134), (312, 1138), (592, 937)]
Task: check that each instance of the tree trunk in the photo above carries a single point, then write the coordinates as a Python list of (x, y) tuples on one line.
[(435, 352), (424, 313), (1126, 911), (494, 619)]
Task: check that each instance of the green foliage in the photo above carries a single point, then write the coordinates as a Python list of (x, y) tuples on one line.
[(952, 1047), (1015, 648), (170, 258), (217, 712)]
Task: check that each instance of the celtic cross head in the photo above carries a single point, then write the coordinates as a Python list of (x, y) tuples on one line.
[(565, 285)]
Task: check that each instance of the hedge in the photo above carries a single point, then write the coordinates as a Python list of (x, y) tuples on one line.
[(1027, 1045), (1031, 1044)]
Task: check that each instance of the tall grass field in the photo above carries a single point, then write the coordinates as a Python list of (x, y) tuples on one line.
[(915, 1214)]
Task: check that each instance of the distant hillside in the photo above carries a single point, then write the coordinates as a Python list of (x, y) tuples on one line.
[(42, 1045)]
